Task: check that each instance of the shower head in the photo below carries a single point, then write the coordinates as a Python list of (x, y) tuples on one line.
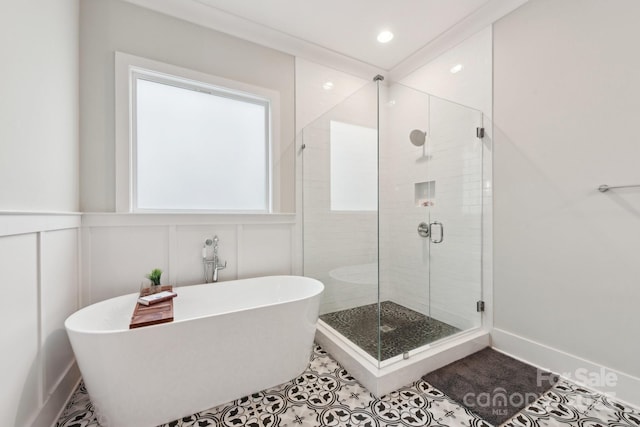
[(417, 137)]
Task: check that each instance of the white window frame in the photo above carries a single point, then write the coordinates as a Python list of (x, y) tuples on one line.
[(127, 69)]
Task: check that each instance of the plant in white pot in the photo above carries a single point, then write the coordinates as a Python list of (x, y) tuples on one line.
[(154, 277)]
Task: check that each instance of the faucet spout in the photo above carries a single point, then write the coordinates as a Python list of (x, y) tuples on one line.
[(216, 267)]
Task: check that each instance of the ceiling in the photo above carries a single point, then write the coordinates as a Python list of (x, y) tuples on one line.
[(342, 33), (350, 27)]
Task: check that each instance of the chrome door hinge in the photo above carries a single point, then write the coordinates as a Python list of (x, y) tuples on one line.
[(480, 306), (479, 132)]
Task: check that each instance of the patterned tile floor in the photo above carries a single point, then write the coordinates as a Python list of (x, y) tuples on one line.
[(402, 328), (567, 404), (326, 395)]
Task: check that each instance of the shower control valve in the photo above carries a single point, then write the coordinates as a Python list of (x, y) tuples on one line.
[(423, 229)]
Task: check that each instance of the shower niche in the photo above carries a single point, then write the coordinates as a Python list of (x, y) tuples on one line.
[(425, 194), (416, 309)]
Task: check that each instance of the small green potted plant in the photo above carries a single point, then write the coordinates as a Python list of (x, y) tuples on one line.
[(154, 277)]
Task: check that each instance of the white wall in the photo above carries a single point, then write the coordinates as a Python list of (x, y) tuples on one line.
[(38, 175), (471, 86), (313, 98), (566, 110), (109, 26), (39, 106)]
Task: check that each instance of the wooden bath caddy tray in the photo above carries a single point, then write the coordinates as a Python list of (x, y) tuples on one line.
[(147, 315)]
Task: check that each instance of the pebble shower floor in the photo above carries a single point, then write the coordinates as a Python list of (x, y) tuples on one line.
[(326, 395)]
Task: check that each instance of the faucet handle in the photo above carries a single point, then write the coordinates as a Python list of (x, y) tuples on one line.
[(221, 267)]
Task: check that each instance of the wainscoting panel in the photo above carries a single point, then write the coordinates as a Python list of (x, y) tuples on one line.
[(20, 368), (119, 249), (264, 250), (59, 290), (39, 258), (121, 256)]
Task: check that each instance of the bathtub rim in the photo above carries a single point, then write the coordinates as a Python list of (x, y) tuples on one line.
[(317, 289)]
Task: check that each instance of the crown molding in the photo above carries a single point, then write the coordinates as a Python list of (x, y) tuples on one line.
[(207, 16)]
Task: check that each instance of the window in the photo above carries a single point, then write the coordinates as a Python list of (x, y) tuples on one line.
[(354, 174), (194, 144)]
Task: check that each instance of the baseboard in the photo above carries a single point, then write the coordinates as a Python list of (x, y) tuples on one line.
[(57, 401), (621, 386)]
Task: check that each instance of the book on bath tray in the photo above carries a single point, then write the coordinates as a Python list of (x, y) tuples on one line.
[(156, 298)]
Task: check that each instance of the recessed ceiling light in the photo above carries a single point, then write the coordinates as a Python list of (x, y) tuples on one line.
[(456, 68), (385, 36), (327, 85)]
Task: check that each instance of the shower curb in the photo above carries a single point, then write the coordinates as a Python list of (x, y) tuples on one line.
[(394, 374)]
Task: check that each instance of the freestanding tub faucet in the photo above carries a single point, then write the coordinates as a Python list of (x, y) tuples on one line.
[(211, 261)]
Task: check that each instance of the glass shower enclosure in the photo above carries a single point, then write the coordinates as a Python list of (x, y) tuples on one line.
[(392, 219)]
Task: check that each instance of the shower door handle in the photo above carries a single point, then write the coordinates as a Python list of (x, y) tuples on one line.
[(439, 240)]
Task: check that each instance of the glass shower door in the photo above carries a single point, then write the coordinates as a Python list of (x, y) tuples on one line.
[(455, 214), (405, 321)]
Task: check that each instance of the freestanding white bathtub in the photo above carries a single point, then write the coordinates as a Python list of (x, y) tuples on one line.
[(227, 340)]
